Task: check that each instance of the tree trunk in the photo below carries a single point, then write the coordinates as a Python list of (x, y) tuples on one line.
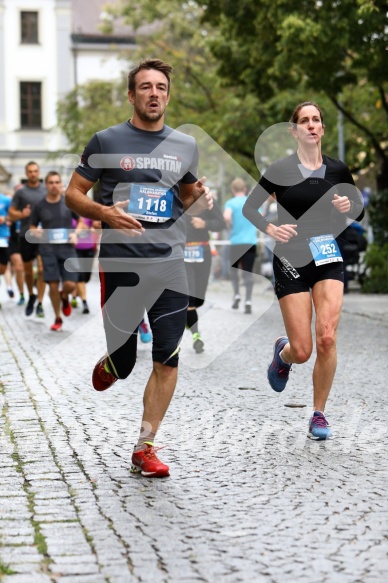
[(382, 176)]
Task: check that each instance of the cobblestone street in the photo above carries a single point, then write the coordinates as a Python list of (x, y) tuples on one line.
[(249, 499)]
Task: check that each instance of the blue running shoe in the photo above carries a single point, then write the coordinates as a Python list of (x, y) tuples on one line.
[(319, 428), (145, 334), (21, 300), (278, 370)]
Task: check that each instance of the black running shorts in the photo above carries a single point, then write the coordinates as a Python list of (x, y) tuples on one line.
[(290, 280), (4, 255), (54, 265), (130, 288), (29, 251), (14, 245)]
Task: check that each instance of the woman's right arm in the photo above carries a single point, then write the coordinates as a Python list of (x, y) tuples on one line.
[(255, 200), (250, 210)]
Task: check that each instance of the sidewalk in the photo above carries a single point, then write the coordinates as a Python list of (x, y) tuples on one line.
[(373, 306)]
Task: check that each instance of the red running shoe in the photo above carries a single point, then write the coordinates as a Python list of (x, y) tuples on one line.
[(147, 464), (66, 307), (57, 325), (102, 379)]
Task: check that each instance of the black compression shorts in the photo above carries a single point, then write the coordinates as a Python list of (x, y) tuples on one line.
[(127, 289), (29, 251), (84, 276), (4, 255), (14, 245), (290, 280)]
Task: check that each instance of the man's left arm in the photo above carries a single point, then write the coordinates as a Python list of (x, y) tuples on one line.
[(196, 197)]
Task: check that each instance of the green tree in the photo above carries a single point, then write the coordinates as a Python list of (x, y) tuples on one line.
[(336, 47), (89, 108)]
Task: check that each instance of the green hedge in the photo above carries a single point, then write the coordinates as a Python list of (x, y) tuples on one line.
[(376, 276)]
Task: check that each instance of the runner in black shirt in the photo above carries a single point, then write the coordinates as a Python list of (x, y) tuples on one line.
[(315, 195), (51, 225), (147, 173), (198, 260)]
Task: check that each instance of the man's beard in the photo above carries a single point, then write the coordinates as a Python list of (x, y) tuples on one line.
[(145, 116)]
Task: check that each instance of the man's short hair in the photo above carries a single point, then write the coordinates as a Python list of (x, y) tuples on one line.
[(31, 163), (52, 173), (238, 185), (148, 64)]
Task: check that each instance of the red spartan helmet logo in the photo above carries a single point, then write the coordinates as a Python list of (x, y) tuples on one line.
[(127, 163)]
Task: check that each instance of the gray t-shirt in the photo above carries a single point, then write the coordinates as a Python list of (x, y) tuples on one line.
[(145, 168), (56, 220), (24, 196)]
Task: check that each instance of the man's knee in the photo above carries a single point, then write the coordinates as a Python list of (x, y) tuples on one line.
[(165, 371), (166, 355)]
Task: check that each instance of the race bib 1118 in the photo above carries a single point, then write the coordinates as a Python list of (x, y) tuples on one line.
[(150, 203)]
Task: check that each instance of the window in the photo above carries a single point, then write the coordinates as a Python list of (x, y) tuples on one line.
[(30, 104), (29, 28)]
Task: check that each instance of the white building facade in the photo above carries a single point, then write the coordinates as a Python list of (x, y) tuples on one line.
[(46, 48)]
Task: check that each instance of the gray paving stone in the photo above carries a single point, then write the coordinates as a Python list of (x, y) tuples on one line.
[(84, 579), (27, 578), (75, 569), (26, 567), (18, 539), (27, 553)]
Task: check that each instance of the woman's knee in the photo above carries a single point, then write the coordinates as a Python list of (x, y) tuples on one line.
[(326, 343), (301, 353)]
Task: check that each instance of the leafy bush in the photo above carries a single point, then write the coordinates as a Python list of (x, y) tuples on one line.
[(378, 216), (376, 262)]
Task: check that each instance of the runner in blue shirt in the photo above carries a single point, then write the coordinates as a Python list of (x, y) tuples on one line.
[(243, 239), (5, 202)]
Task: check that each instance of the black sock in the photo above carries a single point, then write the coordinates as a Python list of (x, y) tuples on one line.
[(192, 321)]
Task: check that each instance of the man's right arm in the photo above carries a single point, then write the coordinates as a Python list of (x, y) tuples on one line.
[(81, 204), (77, 201)]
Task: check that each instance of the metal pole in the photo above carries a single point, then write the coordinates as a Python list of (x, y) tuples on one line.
[(341, 142)]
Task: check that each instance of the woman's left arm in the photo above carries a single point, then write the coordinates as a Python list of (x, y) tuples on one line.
[(348, 199)]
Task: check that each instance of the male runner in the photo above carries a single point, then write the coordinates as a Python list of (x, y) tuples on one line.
[(147, 173), (56, 245), (24, 200)]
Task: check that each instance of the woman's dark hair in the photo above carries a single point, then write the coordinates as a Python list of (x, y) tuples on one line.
[(295, 113), (157, 64)]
